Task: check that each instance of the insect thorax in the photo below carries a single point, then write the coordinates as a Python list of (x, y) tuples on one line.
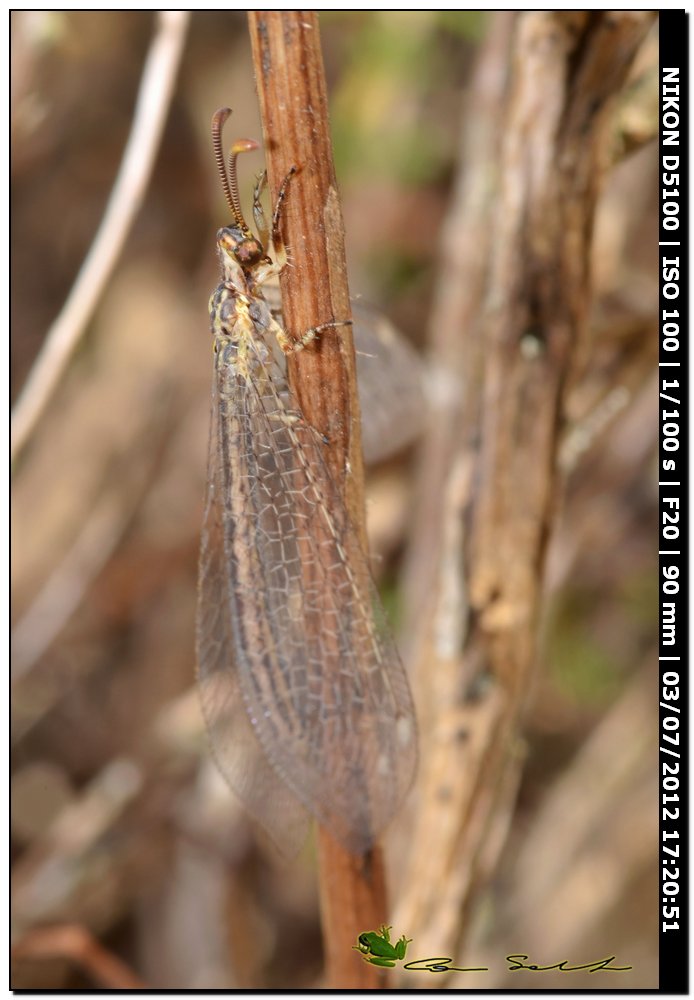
[(223, 310)]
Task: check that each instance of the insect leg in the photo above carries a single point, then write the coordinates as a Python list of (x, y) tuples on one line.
[(277, 243), (290, 346), (258, 211)]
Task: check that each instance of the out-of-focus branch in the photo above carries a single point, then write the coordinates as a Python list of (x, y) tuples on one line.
[(598, 806), (455, 342), (153, 102), (76, 944), (500, 495), (65, 589), (435, 600), (58, 875)]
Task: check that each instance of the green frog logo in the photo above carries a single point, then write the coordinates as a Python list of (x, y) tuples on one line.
[(376, 947)]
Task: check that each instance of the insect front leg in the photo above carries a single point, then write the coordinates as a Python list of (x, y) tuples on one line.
[(286, 343), (258, 210), (281, 252)]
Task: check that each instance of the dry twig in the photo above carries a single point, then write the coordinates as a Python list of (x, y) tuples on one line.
[(503, 488), (61, 340), (79, 946)]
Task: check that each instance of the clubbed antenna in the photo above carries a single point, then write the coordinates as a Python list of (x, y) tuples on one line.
[(228, 179)]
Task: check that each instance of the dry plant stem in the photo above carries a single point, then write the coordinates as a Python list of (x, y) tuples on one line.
[(456, 347), (605, 786), (293, 104), (64, 590), (72, 845), (597, 806), (435, 586), (153, 102), (70, 941), (566, 66), (540, 284)]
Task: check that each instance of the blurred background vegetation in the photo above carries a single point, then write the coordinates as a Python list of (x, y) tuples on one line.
[(119, 823)]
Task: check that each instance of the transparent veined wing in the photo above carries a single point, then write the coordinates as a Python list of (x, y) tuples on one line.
[(290, 626)]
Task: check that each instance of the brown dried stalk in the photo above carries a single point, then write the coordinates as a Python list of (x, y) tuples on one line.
[(494, 499), (293, 103)]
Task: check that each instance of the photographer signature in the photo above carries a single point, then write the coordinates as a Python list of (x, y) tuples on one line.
[(377, 948), (516, 963)]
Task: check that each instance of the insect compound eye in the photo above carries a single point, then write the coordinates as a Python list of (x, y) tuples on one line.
[(240, 244), (249, 251)]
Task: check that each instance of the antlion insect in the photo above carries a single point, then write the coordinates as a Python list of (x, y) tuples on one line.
[(304, 695)]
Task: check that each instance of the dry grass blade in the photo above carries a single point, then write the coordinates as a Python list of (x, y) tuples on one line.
[(138, 159)]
